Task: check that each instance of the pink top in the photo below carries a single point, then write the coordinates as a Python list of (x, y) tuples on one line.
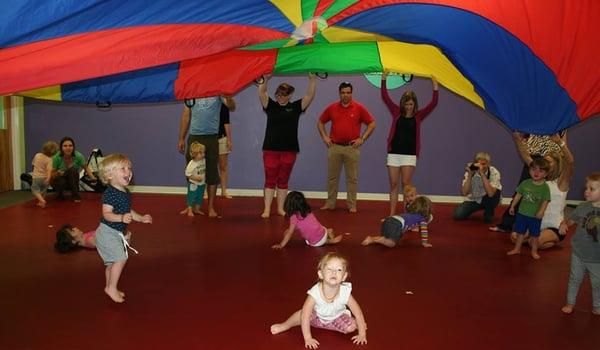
[(309, 227), (41, 163), (395, 110), (89, 240)]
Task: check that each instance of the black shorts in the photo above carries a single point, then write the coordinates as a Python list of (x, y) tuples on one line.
[(392, 229), (558, 235)]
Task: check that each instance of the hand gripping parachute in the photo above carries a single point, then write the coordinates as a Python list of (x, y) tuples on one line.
[(532, 64)]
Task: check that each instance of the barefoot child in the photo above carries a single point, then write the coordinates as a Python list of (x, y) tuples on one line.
[(585, 254), (418, 215), (42, 172), (195, 173), (325, 306), (115, 171), (533, 196), (298, 211)]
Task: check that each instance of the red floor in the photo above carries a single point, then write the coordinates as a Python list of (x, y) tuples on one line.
[(216, 284)]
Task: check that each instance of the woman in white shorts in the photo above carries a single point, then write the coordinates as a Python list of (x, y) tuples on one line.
[(403, 138)]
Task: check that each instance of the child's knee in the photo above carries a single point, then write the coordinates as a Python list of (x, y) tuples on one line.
[(351, 328)]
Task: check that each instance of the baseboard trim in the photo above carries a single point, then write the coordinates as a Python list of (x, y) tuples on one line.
[(309, 194)]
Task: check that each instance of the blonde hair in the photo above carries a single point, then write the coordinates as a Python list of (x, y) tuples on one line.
[(50, 148), (595, 177), (483, 155), (421, 205), (195, 148), (108, 165), (332, 255), (409, 189)]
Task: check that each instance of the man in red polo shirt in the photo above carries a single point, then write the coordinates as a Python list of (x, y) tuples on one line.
[(343, 143)]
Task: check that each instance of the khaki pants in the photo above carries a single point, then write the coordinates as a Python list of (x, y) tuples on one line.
[(338, 156)]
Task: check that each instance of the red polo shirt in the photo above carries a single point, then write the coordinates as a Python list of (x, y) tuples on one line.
[(345, 121)]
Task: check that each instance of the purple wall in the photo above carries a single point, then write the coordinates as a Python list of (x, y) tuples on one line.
[(450, 136)]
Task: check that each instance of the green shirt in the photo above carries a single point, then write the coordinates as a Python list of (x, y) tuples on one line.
[(533, 197), (58, 163)]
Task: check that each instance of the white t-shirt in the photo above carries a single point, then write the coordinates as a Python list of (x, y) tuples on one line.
[(196, 168), (329, 311), (554, 213)]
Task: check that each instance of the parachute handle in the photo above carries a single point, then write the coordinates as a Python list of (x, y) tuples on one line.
[(189, 102), (103, 104)]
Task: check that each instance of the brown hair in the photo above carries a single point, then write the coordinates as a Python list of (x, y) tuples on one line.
[(421, 205), (558, 167), (50, 148), (595, 176), (408, 96), (284, 89), (541, 163)]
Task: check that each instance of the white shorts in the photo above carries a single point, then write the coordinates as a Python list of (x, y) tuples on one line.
[(223, 145), (401, 160), (322, 241)]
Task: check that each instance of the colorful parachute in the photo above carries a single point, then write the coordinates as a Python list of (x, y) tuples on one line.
[(528, 62)]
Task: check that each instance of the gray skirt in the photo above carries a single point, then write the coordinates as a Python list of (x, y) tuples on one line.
[(110, 244)]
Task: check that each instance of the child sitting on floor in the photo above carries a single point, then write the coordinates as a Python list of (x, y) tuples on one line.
[(418, 214), (325, 305), (298, 211)]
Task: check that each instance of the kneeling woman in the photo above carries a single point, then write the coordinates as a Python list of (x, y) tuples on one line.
[(66, 165), (558, 180)]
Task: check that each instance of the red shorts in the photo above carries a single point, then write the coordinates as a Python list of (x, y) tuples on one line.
[(278, 168), (340, 324)]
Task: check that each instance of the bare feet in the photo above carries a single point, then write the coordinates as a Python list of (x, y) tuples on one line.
[(281, 212), (265, 214), (326, 207), (213, 214), (352, 210), (535, 255), (186, 211), (278, 328), (513, 252), (199, 212), (226, 195), (368, 240), (114, 295), (567, 309), (427, 245), (495, 229), (41, 204), (121, 294), (596, 312)]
